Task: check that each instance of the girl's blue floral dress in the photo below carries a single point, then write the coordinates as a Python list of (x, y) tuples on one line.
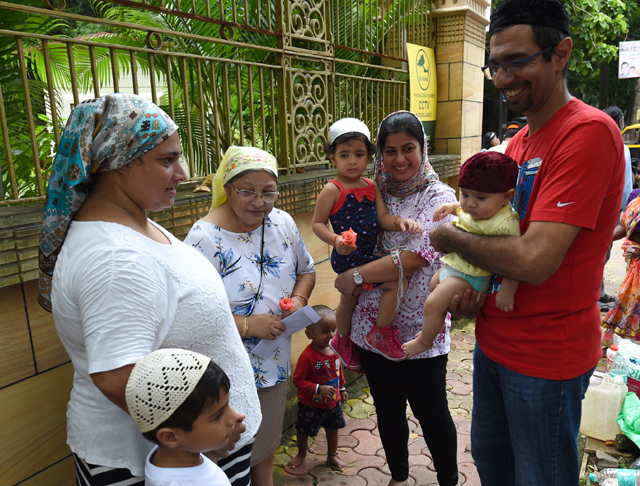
[(236, 256)]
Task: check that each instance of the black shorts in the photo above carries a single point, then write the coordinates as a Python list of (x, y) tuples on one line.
[(310, 419)]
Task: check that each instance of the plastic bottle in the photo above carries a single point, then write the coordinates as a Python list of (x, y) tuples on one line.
[(616, 477), (611, 356), (619, 368)]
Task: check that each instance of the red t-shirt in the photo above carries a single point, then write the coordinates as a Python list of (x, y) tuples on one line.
[(572, 172), (316, 368)]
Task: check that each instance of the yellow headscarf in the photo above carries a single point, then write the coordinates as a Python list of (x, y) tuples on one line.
[(235, 161)]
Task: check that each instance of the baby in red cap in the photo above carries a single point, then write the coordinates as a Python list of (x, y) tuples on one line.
[(487, 184)]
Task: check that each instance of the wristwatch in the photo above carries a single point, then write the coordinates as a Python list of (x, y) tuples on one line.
[(357, 278)]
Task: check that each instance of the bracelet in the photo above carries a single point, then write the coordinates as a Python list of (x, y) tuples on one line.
[(245, 329), (343, 389), (394, 223), (306, 302), (334, 241), (317, 392), (395, 258)]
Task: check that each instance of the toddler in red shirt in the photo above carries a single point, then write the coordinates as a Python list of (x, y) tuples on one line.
[(321, 393)]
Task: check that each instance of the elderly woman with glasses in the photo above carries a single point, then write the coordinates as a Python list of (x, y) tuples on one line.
[(262, 259)]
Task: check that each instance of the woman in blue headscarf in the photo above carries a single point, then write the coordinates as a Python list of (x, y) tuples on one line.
[(120, 286)]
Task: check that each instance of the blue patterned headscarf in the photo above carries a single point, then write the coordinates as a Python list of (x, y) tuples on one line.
[(102, 134)]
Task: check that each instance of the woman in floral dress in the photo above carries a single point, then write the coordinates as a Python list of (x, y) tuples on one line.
[(624, 316), (262, 259)]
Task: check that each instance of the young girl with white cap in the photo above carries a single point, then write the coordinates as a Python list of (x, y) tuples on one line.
[(354, 204)]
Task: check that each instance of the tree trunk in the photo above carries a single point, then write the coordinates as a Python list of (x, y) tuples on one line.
[(602, 102)]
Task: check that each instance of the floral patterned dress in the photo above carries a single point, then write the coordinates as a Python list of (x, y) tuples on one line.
[(237, 258), (624, 316), (408, 321)]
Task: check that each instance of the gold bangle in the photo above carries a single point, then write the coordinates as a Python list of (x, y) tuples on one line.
[(394, 223), (245, 329), (333, 242)]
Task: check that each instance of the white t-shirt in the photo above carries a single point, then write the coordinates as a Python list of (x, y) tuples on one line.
[(206, 474), (118, 295)]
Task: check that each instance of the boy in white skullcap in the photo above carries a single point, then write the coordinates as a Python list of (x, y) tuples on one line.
[(180, 401)]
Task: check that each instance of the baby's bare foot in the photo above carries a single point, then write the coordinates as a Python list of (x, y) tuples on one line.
[(297, 461), (335, 462), (414, 347)]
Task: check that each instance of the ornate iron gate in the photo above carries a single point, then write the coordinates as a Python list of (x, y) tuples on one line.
[(269, 73)]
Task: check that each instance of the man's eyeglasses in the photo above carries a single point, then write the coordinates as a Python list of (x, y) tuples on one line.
[(490, 70), (246, 195)]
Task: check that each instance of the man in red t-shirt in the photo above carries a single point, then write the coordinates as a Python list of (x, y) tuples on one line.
[(532, 365)]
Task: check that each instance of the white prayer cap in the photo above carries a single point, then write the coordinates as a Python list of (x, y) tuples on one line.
[(347, 125), (160, 382)]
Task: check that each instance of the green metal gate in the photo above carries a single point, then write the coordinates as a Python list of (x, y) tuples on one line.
[(269, 73)]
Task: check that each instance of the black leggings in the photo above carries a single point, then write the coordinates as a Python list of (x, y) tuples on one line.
[(423, 383)]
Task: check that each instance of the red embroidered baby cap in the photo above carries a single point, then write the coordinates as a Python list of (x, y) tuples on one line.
[(489, 171)]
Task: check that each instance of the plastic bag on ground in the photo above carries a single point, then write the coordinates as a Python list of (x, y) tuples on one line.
[(629, 418)]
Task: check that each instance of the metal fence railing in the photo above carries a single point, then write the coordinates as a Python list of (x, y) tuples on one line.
[(269, 73)]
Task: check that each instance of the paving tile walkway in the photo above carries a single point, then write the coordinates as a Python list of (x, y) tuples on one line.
[(360, 444)]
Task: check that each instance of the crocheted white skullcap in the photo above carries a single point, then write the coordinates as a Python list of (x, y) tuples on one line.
[(160, 382), (347, 125)]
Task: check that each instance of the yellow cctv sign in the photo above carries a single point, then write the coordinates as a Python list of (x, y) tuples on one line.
[(423, 82)]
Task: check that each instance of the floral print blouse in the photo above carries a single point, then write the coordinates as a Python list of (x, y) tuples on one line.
[(408, 321), (238, 259)]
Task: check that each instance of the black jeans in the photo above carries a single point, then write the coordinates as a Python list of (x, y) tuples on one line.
[(423, 383)]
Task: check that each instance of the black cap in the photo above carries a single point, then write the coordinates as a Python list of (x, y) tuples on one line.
[(544, 13)]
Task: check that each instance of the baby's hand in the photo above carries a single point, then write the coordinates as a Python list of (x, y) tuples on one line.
[(344, 396), (504, 303), (343, 249), (443, 211), (409, 225)]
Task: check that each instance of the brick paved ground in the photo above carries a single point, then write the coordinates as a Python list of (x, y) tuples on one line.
[(360, 444)]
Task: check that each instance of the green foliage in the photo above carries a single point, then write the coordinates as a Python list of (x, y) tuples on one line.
[(13, 93), (596, 28), (230, 86)]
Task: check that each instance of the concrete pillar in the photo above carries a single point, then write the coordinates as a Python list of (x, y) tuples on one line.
[(460, 52)]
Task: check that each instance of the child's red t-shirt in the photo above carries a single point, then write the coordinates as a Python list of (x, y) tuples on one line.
[(316, 368)]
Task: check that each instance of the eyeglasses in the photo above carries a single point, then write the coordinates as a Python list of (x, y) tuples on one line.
[(246, 195), (490, 70)]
